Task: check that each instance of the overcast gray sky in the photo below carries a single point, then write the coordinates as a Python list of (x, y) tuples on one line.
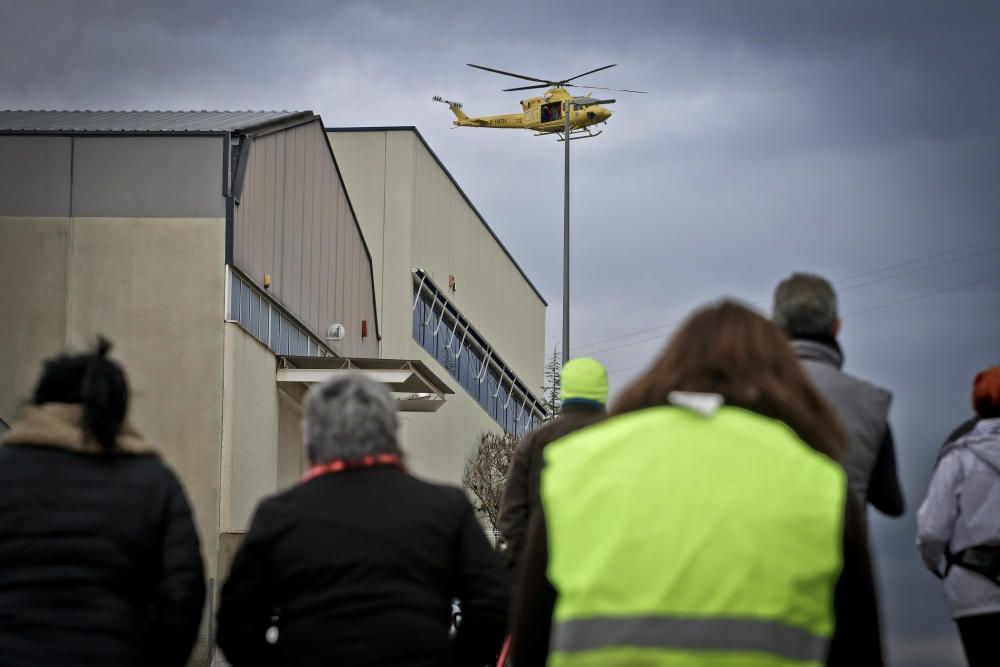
[(859, 140)]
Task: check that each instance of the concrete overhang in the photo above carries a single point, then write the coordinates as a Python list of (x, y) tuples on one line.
[(417, 388)]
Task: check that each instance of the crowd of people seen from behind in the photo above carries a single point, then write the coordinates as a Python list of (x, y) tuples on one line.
[(713, 514)]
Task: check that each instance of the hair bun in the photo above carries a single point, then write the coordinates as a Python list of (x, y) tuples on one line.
[(103, 347)]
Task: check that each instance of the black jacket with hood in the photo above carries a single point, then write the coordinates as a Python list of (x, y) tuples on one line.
[(99, 558), (522, 492)]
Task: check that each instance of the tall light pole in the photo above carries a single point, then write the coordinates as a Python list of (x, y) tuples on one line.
[(565, 322)]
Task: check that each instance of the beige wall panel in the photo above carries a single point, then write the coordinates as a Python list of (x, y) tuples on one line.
[(365, 180), (397, 285), (438, 444), (148, 177), (318, 263), (156, 288), (33, 267), (493, 294), (428, 224), (35, 176), (249, 427), (291, 458)]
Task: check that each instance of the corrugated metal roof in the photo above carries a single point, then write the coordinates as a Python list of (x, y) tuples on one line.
[(138, 121)]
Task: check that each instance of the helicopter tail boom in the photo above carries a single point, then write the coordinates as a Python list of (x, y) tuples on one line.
[(456, 107)]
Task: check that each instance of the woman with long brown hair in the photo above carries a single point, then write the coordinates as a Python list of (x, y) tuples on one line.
[(706, 522)]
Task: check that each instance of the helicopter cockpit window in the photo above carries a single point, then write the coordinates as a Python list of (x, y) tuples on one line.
[(551, 111)]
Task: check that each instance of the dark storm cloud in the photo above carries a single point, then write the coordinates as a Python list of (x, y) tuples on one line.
[(838, 137)]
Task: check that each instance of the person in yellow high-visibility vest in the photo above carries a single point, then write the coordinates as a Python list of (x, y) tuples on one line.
[(706, 522)]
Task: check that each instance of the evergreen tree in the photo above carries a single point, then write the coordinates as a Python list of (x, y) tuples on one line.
[(550, 390)]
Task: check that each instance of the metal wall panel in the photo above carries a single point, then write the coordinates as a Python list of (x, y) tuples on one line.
[(148, 177), (294, 223), (35, 176)]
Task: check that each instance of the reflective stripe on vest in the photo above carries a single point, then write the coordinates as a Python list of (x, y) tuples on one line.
[(673, 537), (702, 634)]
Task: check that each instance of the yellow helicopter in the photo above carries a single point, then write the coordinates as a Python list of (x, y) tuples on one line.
[(545, 115)]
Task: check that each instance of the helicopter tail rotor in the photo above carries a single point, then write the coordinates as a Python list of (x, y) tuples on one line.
[(438, 98), (456, 107)]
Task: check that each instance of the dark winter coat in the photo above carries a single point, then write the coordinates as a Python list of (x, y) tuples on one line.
[(360, 568), (99, 559), (522, 493)]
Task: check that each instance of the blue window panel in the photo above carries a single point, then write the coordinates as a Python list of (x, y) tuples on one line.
[(466, 366), (265, 323), (254, 314), (275, 331), (283, 336), (417, 319), (234, 298), (442, 353), (245, 292)]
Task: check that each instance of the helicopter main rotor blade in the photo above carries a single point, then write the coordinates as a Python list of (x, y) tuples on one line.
[(516, 76), (620, 90), (586, 73), (543, 85)]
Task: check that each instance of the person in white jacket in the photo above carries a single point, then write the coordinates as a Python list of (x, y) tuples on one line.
[(958, 525)]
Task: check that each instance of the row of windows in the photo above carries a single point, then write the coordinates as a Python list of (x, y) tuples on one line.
[(267, 323), (492, 385)]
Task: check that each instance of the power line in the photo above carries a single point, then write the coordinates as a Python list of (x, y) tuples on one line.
[(914, 261), (672, 325), (922, 268), (923, 296), (868, 310)]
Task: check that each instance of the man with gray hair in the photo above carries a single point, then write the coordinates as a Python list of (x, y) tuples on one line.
[(358, 564), (805, 306)]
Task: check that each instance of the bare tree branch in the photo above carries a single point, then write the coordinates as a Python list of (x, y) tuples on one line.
[(486, 473)]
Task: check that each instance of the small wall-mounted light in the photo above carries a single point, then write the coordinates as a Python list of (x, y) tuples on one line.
[(335, 333), (452, 284), (267, 281)]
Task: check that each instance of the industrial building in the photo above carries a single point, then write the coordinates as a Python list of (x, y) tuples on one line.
[(447, 293), (234, 258)]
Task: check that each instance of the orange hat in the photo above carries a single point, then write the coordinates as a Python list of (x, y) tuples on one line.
[(986, 393)]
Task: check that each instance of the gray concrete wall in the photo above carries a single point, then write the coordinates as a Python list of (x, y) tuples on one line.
[(111, 176), (152, 177), (294, 224), (35, 175)]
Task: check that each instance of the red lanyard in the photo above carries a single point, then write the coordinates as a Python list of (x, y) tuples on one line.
[(340, 465)]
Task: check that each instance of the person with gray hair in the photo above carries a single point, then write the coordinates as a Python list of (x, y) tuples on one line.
[(358, 564), (350, 419), (805, 307)]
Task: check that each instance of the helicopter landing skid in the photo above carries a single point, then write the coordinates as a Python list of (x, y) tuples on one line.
[(579, 134)]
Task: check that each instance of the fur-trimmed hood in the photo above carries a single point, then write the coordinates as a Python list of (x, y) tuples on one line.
[(59, 425)]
